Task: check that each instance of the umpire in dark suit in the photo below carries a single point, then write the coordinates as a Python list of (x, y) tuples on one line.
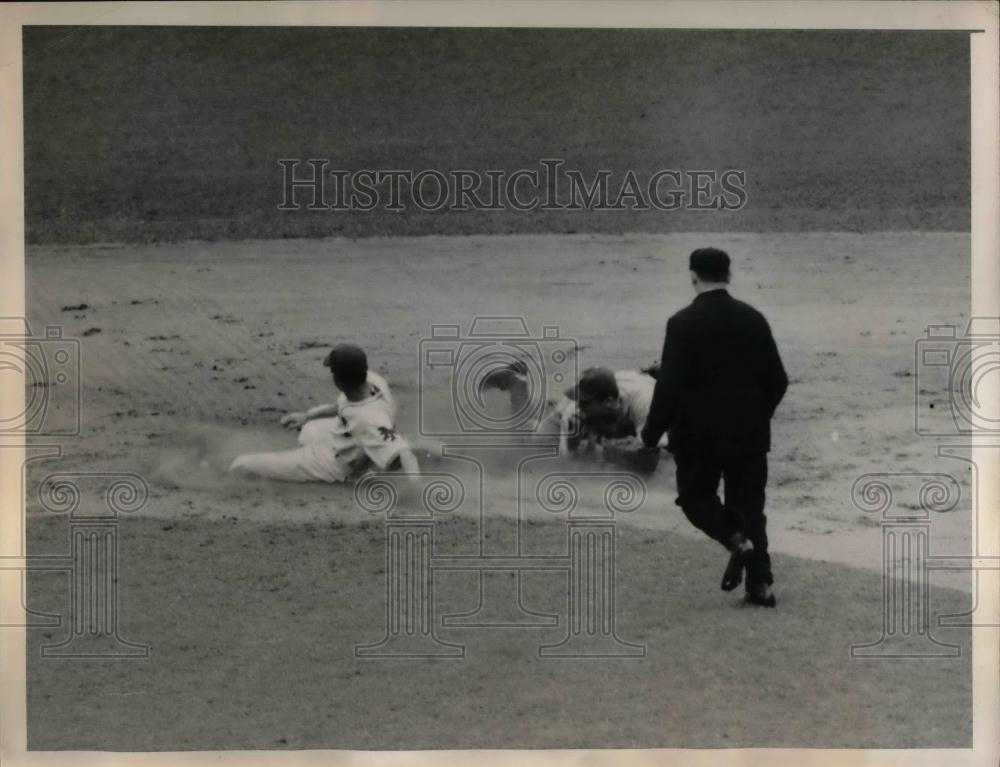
[(720, 380)]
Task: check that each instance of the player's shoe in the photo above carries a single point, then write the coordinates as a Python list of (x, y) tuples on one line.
[(733, 576), (760, 594)]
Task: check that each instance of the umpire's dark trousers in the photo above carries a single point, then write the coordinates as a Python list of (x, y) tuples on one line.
[(745, 477)]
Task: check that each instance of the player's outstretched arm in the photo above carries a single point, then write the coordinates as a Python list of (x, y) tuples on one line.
[(298, 420)]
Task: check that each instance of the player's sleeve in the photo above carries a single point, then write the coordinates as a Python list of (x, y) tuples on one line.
[(377, 436), (570, 426), (640, 399)]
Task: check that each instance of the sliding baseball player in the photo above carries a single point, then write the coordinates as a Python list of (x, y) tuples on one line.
[(340, 441)]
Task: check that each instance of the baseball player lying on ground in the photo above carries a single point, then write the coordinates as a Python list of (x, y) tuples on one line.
[(599, 417), (338, 442)]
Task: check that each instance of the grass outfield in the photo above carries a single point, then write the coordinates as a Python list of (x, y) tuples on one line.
[(252, 627), (166, 134)]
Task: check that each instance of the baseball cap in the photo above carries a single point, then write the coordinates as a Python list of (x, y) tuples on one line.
[(596, 385), (710, 264), (349, 363)]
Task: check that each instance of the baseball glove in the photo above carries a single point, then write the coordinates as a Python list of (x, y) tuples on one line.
[(630, 453)]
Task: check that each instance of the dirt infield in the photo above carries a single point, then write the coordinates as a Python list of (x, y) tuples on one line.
[(219, 334), (251, 596)]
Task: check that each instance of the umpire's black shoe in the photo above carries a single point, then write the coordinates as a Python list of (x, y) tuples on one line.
[(733, 576), (760, 594)]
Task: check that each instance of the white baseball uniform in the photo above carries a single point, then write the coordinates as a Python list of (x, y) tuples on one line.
[(337, 448)]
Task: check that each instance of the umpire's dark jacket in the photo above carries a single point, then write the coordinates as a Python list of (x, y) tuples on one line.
[(720, 379)]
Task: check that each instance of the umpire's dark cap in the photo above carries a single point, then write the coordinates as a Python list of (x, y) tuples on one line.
[(349, 363), (710, 264)]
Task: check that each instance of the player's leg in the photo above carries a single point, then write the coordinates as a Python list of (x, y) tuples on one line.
[(315, 431), (304, 464)]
